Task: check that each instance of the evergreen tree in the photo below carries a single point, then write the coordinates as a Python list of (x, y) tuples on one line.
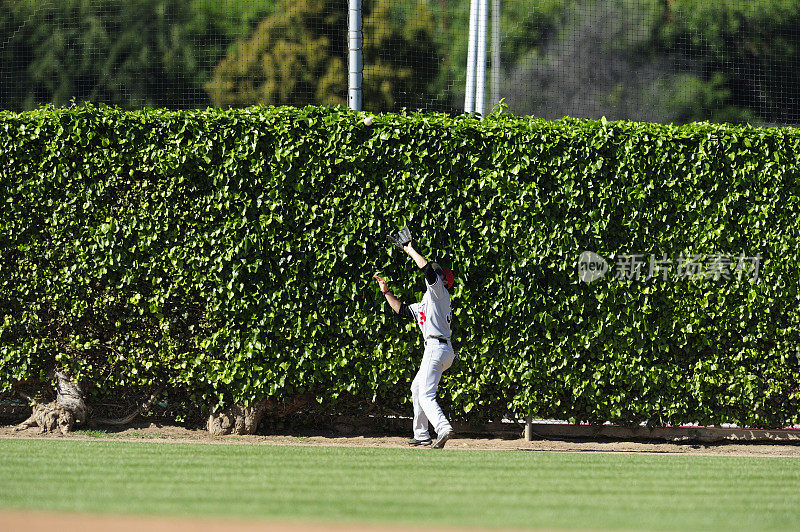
[(298, 56)]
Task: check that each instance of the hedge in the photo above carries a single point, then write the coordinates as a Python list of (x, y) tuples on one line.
[(230, 254)]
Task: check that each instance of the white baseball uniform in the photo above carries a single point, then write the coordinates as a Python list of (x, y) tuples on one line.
[(433, 316)]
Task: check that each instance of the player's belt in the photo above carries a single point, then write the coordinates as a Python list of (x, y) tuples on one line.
[(441, 339)]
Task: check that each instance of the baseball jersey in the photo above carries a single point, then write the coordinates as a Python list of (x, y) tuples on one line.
[(433, 314)]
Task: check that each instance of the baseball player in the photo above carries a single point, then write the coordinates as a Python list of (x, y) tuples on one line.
[(433, 316)]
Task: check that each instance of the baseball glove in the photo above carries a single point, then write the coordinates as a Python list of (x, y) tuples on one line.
[(400, 238)]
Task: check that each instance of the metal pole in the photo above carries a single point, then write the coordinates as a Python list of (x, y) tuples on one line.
[(469, 97), (495, 52), (480, 81), (354, 46), (529, 428)]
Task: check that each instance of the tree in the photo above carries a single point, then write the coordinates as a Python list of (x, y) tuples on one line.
[(13, 56), (134, 53), (608, 60), (749, 49), (298, 56)]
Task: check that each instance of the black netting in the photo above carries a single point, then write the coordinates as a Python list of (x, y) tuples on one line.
[(650, 60)]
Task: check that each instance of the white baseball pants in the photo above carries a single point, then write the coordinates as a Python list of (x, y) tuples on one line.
[(437, 358)]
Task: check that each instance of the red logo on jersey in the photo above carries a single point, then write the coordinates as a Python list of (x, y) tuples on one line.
[(422, 318)]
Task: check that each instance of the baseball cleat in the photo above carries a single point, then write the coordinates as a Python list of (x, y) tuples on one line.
[(442, 439), (413, 442)]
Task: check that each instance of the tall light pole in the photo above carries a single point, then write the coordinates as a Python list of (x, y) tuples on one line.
[(469, 96), (480, 68), (355, 61), (475, 96)]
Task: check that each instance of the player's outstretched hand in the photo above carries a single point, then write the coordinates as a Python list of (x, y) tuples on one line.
[(381, 283)]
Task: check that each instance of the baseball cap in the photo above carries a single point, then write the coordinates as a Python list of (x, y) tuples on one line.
[(446, 273)]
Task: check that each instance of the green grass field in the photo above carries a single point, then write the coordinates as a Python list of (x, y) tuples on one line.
[(416, 486)]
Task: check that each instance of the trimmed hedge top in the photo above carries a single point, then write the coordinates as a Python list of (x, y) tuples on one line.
[(230, 254)]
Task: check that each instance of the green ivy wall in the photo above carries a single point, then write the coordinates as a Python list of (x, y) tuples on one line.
[(230, 255)]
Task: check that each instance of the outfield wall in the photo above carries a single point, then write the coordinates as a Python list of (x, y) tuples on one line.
[(230, 255)]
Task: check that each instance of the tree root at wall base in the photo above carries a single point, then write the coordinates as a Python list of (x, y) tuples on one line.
[(144, 407), (237, 419), (61, 414), (242, 420)]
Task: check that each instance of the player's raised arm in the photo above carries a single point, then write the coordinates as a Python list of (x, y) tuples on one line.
[(390, 297), (402, 240), (400, 308), (428, 268), (414, 254)]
